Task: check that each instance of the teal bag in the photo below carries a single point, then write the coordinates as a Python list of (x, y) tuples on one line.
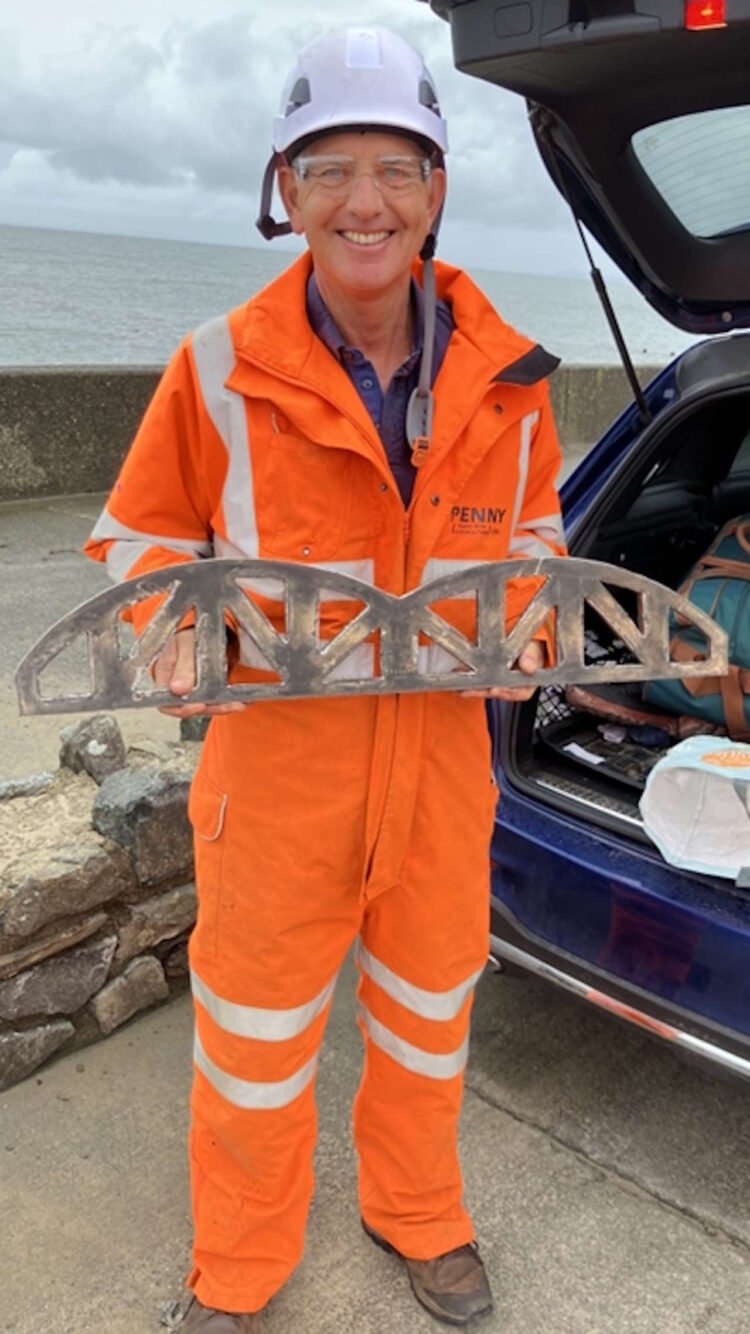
[(719, 583)]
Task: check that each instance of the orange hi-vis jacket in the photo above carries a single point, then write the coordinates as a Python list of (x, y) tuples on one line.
[(318, 822), (254, 410)]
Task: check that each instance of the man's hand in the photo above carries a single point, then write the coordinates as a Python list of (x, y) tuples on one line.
[(175, 668), (529, 662)]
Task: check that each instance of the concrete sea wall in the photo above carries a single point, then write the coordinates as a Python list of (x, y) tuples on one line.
[(65, 429)]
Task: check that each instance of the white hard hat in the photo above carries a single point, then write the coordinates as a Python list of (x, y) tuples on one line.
[(353, 77), (359, 76)]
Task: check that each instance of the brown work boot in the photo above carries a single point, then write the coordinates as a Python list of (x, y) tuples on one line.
[(452, 1287), (201, 1319)]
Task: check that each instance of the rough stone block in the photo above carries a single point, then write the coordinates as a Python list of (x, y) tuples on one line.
[(64, 938), (142, 984), (41, 886), (153, 920), (58, 986), (175, 960), (47, 820), (94, 746), (26, 787), (194, 729), (22, 1052), (147, 814)]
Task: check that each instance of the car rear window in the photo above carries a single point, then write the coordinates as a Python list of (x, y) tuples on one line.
[(700, 164)]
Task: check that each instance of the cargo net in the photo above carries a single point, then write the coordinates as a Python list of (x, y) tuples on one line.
[(599, 650), (552, 707)]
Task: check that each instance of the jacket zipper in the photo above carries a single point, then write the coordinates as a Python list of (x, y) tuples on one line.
[(407, 535)]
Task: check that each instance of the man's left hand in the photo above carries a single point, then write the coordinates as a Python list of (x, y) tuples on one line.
[(532, 658)]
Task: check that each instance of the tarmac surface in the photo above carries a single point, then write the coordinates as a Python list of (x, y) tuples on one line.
[(608, 1181)]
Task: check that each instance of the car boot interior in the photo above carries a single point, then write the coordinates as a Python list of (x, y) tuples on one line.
[(686, 476)]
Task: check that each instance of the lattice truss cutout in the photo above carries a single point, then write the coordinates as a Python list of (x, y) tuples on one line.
[(275, 609)]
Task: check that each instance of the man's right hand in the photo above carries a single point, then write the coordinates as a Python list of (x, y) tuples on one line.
[(175, 668)]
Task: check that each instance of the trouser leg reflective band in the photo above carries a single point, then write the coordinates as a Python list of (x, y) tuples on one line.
[(252, 1139), (407, 1109)]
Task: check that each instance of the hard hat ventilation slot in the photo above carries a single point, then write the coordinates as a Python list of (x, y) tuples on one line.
[(428, 96), (299, 96)]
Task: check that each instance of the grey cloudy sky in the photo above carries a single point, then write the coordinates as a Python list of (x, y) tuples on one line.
[(152, 117)]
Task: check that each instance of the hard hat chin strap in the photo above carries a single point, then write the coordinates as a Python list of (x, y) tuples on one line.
[(266, 224)]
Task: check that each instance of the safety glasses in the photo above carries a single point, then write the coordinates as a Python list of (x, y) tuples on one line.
[(337, 173)]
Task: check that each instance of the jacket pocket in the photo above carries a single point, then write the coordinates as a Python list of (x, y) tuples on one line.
[(303, 492), (207, 811)]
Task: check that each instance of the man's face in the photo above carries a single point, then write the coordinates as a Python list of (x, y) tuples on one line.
[(364, 235)]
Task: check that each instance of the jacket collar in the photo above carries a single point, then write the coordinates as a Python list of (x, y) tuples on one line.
[(290, 347)]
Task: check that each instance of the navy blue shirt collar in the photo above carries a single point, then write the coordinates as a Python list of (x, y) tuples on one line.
[(325, 327)]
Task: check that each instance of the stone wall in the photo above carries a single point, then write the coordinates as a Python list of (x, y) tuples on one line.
[(96, 892), (65, 430)]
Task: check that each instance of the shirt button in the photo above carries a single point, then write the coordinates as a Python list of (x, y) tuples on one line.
[(434, 500), (383, 486), (367, 384), (306, 551)]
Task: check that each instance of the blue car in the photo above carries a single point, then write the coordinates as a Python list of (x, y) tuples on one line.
[(641, 111)]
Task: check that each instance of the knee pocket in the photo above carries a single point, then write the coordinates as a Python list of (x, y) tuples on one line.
[(207, 811)]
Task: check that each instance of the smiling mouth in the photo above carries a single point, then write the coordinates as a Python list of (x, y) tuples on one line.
[(366, 238)]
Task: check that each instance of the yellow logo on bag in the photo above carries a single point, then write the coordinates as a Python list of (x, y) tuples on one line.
[(728, 759)]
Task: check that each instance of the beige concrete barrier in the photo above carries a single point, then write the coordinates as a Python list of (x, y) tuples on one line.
[(65, 429)]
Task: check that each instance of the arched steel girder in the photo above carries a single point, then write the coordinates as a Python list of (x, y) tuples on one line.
[(275, 607)]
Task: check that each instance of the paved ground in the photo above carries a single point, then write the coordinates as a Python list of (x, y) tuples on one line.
[(609, 1182)]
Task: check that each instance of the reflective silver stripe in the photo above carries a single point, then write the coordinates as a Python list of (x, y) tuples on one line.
[(252, 1021), (435, 658), (250, 1094), (526, 545), (548, 526), (437, 568), (427, 1004), (122, 556), (215, 360), (361, 661), (358, 664), (273, 589), (363, 569), (527, 430), (413, 1058), (108, 527), (130, 544), (250, 654)]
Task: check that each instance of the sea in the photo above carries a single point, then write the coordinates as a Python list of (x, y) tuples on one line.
[(87, 298)]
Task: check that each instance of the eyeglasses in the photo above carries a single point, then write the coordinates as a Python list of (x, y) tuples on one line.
[(337, 174)]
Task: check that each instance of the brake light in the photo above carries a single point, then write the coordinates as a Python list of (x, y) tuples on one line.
[(705, 14)]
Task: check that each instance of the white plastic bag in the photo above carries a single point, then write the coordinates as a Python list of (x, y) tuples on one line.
[(696, 806)]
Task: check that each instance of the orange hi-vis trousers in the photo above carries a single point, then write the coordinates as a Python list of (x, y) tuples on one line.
[(298, 858)]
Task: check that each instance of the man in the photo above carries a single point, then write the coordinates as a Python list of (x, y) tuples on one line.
[(301, 428)]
